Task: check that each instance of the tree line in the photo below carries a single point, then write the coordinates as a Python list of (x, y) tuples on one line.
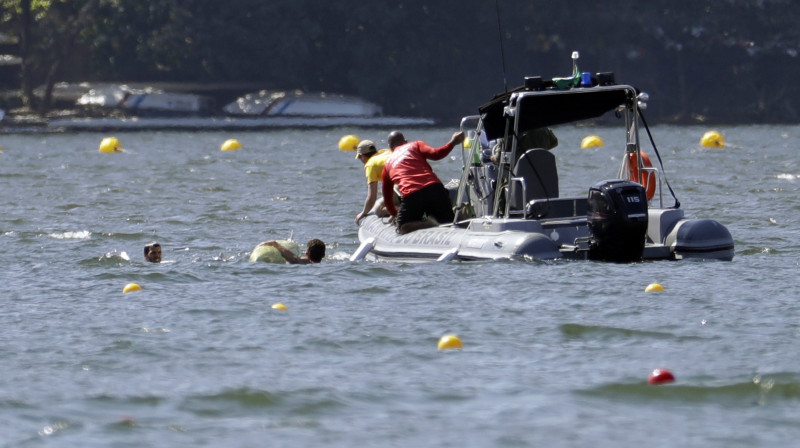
[(712, 60)]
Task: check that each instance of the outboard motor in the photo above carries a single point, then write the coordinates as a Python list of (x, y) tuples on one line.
[(617, 214)]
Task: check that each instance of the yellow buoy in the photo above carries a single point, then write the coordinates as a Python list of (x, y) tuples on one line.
[(590, 141), (130, 287), (449, 341), (280, 306), (348, 143), (654, 287), (230, 145), (110, 144), (713, 139)]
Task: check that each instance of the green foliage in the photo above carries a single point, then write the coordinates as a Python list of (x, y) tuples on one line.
[(697, 58)]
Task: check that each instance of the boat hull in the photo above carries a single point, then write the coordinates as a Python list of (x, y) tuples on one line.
[(463, 243), (497, 239), (700, 239)]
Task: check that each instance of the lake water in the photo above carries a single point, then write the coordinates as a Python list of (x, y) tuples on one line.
[(555, 353)]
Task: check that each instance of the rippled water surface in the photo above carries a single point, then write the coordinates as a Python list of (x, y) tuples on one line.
[(555, 354)]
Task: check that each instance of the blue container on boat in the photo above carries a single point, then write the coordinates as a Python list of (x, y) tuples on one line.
[(586, 79)]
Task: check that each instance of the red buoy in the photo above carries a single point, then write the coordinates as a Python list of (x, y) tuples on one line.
[(661, 376)]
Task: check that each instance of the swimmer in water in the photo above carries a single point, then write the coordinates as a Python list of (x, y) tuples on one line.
[(315, 252), (152, 252)]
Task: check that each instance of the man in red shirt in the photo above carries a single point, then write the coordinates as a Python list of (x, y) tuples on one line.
[(422, 193)]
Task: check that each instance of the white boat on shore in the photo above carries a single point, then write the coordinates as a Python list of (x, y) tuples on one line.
[(260, 110), (171, 106), (299, 103), (145, 100)]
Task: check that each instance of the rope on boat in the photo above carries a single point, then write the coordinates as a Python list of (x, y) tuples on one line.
[(655, 149)]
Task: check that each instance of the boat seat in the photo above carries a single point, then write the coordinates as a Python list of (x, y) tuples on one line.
[(537, 169), (557, 208)]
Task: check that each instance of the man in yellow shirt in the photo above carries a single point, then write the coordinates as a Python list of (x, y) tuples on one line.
[(373, 161)]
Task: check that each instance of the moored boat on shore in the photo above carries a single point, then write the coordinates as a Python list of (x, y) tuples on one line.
[(144, 101), (299, 103), (112, 107)]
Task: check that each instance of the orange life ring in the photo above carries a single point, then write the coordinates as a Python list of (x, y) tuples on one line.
[(647, 179)]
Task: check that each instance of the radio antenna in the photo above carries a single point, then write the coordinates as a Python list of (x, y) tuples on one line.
[(502, 53)]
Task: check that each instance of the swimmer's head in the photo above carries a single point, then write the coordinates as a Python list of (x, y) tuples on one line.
[(315, 250), (152, 252)]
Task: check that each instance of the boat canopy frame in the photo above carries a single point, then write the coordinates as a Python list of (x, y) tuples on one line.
[(511, 114), (539, 109)]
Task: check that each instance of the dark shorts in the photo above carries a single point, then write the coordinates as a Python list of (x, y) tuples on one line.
[(433, 201)]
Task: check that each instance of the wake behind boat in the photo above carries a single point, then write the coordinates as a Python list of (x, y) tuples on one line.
[(511, 207)]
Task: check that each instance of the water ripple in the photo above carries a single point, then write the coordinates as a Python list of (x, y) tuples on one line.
[(242, 401), (760, 390)]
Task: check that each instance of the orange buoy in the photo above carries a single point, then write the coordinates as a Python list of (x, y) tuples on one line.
[(646, 178)]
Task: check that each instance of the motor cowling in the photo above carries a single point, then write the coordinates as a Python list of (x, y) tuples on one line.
[(617, 215)]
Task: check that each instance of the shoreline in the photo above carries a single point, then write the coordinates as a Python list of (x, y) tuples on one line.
[(69, 122)]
